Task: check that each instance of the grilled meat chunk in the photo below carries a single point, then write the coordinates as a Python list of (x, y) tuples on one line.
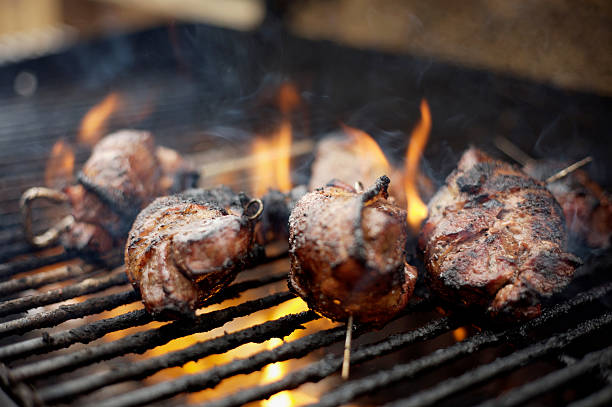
[(586, 206), (495, 239), (124, 173), (348, 255), (182, 249)]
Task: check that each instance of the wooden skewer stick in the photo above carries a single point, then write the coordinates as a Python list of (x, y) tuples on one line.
[(568, 170), (346, 362), (511, 150), (518, 155)]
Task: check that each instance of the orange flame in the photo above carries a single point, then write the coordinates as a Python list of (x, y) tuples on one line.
[(94, 124), (366, 148), (272, 161), (416, 208), (60, 166), (273, 155)]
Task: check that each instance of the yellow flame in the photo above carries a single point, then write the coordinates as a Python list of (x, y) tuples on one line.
[(94, 123), (366, 148), (415, 207), (60, 166), (272, 161), (276, 371)]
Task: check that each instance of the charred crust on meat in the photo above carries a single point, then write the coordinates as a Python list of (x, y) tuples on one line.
[(496, 241), (184, 248), (348, 254)]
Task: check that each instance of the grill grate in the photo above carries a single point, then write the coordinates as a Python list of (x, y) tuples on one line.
[(26, 370), (415, 350)]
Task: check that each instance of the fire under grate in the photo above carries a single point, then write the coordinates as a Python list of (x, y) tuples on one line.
[(577, 348)]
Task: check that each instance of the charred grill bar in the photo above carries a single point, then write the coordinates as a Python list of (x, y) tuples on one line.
[(567, 337), (21, 374)]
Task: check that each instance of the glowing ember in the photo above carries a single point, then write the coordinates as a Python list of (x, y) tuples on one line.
[(460, 334), (416, 208), (272, 161), (60, 166), (94, 124)]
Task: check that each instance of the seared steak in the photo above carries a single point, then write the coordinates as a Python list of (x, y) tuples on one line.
[(495, 239), (183, 249)]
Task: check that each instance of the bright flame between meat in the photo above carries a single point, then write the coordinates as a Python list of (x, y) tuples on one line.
[(415, 207), (368, 150), (94, 124), (272, 161), (60, 166)]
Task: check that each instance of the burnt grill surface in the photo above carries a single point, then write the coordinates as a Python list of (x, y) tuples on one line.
[(414, 361)]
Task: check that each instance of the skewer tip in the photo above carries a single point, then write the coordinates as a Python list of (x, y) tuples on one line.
[(346, 362)]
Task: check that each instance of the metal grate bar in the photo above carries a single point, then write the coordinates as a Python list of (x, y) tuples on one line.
[(517, 359), (333, 363), (278, 328), (82, 334), (10, 269), (433, 360), (601, 398), (66, 312), (89, 286), (44, 278), (143, 341), (356, 388), (208, 379), (97, 329), (520, 395)]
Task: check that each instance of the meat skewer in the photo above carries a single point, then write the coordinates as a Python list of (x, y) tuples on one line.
[(182, 249), (495, 239), (124, 173), (348, 258), (587, 207)]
